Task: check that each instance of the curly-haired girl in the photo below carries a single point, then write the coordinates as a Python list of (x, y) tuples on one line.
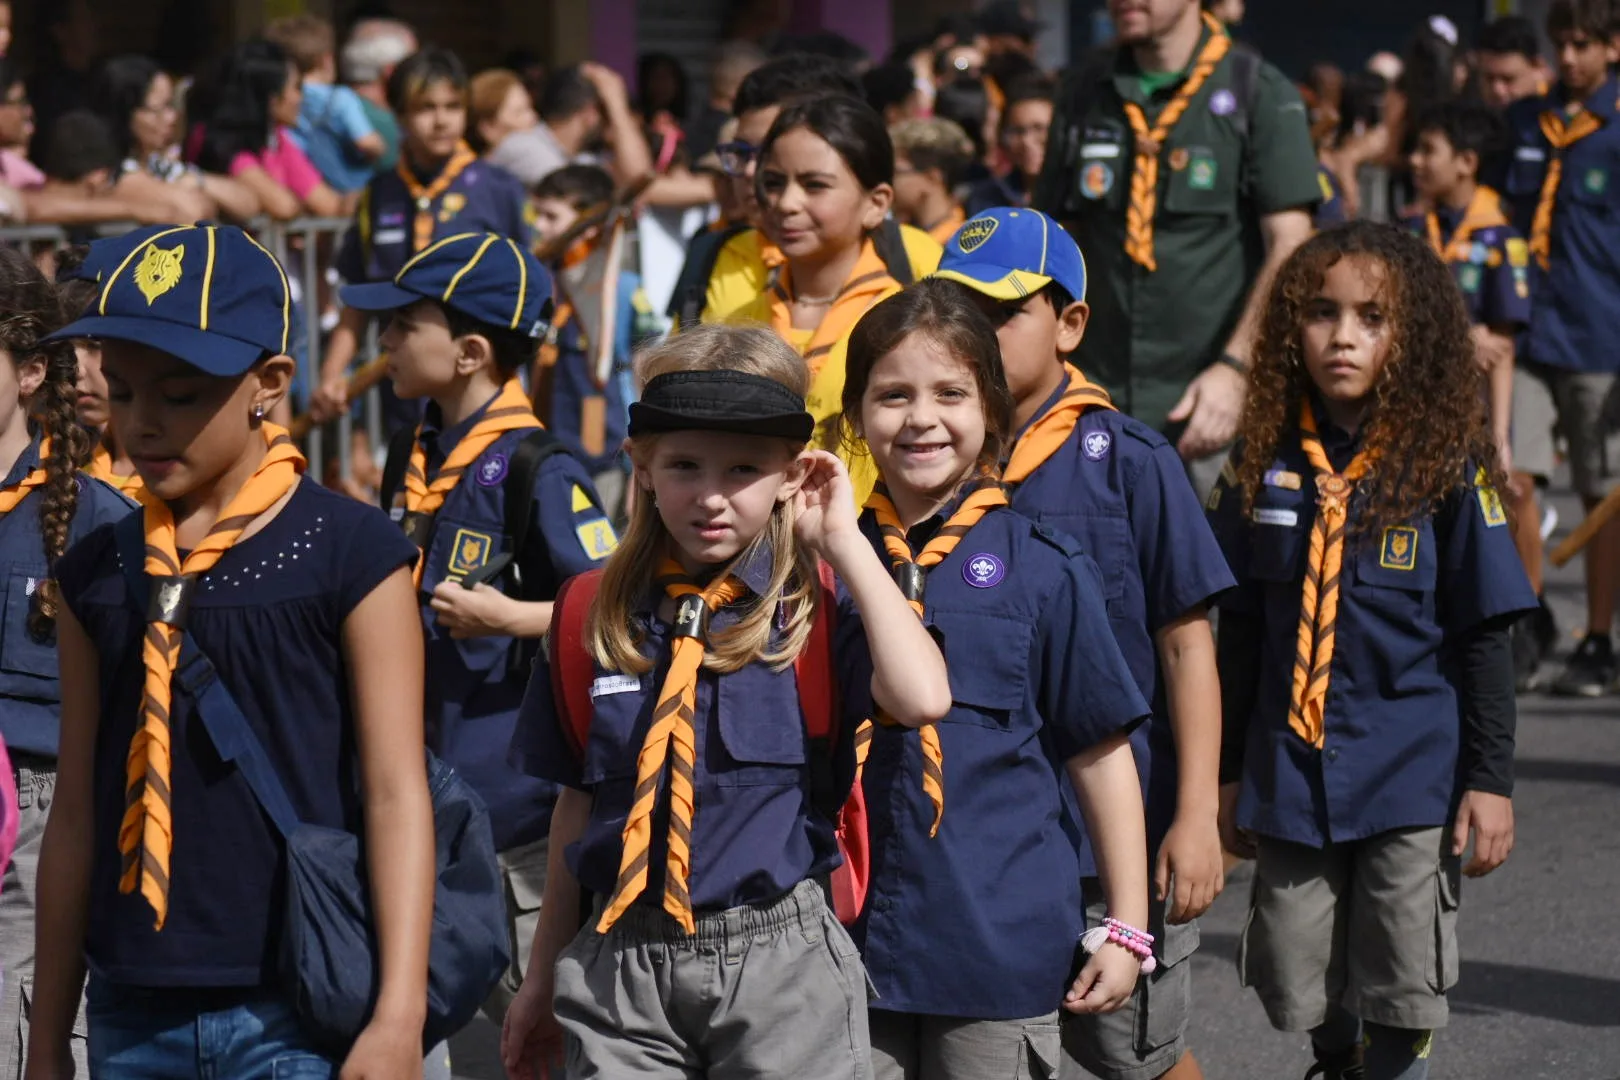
[(1364, 656), (45, 503)]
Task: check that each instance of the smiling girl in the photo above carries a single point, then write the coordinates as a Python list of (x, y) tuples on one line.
[(687, 808), (1365, 663), (970, 972), (826, 181)]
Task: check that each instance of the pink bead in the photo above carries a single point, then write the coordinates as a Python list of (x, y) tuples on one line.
[(1149, 965)]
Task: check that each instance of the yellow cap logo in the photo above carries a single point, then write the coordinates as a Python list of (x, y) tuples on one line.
[(975, 233), (159, 271)]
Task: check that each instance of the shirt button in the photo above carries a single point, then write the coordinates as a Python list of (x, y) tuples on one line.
[(1333, 755)]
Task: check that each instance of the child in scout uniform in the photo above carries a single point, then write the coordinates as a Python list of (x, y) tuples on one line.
[(1468, 229), (45, 504), (77, 288), (931, 157), (438, 188), (971, 976), (590, 420), (686, 808), (1080, 466), (161, 868), (502, 515), (1367, 688), (1565, 197)]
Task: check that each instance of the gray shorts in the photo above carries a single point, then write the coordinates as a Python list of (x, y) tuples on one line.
[(906, 1046), (1393, 895), (36, 784), (770, 990), (1584, 407), (1145, 1039)]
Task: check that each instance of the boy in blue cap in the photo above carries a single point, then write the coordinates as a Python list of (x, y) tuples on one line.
[(1084, 468), (501, 512)]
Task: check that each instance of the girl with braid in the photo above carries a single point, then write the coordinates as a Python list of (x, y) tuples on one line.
[(108, 461), (974, 906), (1366, 668), (695, 809), (45, 504), (160, 870)]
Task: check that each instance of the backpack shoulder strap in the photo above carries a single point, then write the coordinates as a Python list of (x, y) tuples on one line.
[(686, 303), (890, 243), (221, 716), (813, 670), (518, 497), (394, 466), (572, 669), (1245, 84)]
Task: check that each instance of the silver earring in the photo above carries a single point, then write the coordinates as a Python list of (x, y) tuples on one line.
[(258, 411)]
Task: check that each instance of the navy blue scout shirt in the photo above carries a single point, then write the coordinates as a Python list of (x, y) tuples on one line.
[(1577, 299), (30, 699), (1119, 488), (1493, 273), (483, 198), (756, 833), (1393, 722), (472, 700), (1331, 210), (270, 616), (981, 920)]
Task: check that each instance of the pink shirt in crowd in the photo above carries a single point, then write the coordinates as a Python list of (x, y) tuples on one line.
[(284, 163), (18, 172)]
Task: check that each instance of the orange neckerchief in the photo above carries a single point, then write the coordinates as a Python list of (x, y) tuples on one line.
[(11, 496), (866, 283), (1150, 144), (424, 196), (1319, 602), (510, 411), (1563, 130), (672, 735), (1484, 212), (1052, 429), (946, 227), (146, 834), (101, 467)]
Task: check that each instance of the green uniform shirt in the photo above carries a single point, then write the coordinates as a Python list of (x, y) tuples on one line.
[(1226, 164)]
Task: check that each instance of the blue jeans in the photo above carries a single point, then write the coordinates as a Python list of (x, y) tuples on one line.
[(164, 1035)]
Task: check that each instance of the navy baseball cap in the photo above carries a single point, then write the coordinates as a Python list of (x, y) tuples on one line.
[(491, 279), (1009, 254), (209, 294)]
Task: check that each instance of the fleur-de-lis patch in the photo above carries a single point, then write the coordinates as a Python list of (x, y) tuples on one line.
[(159, 271)]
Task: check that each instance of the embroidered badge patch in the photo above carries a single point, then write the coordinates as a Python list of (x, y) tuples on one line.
[(452, 204), (608, 685), (159, 271), (1223, 103), (1201, 177), (1282, 478), (1468, 278), (971, 237), (1326, 185), (1490, 503), (1096, 445), (581, 501), (1518, 253), (1096, 180), (492, 470), (469, 551), (1178, 158), (983, 571), (1597, 181), (1213, 503), (1399, 550), (597, 538), (1273, 516)]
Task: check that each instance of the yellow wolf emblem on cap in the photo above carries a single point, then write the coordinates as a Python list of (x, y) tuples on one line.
[(159, 271), (975, 233)]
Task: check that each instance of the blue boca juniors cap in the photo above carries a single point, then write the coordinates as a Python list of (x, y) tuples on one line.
[(491, 279), (209, 294), (1009, 254)]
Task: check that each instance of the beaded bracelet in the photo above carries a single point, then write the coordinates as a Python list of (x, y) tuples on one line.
[(1139, 943)]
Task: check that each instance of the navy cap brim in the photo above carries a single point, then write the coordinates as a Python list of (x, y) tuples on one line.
[(377, 296), (208, 352)]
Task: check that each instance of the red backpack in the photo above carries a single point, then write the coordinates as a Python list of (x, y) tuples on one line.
[(573, 669)]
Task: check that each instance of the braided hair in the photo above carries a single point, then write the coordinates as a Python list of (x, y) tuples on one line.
[(33, 310)]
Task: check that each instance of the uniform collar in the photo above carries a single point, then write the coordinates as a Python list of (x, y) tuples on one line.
[(1127, 73), (1602, 101), (753, 569), (27, 462), (445, 438), (1046, 407)]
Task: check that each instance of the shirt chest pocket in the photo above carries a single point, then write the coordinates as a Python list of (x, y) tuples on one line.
[(1527, 172), (987, 658), (459, 547), (1200, 176), (762, 734), (1281, 522), (617, 730), (20, 652), (1102, 176), (1396, 570)]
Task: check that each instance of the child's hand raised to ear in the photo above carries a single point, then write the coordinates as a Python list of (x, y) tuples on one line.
[(824, 505)]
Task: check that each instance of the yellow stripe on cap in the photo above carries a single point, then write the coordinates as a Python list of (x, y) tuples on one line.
[(1046, 237), (286, 290), (208, 282), (430, 249), (1016, 285), (523, 282), (472, 262), (106, 290)]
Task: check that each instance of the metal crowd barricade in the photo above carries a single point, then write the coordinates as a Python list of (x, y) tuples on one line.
[(305, 248)]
